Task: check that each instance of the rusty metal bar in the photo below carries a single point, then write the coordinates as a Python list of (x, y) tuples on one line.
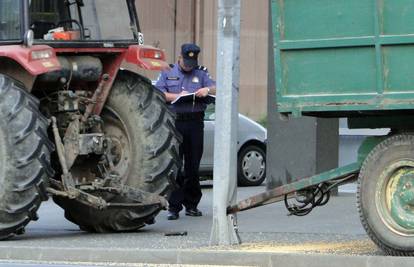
[(67, 180), (98, 92), (60, 149), (278, 194)]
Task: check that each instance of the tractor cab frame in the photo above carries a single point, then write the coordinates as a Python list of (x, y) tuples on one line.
[(41, 16)]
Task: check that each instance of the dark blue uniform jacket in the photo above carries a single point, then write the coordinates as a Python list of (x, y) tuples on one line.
[(175, 81)]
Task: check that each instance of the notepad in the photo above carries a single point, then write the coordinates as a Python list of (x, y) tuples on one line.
[(191, 97)]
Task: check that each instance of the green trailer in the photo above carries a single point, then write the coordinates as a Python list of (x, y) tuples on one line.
[(352, 59), (344, 57)]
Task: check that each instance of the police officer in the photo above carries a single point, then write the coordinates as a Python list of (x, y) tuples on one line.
[(183, 78)]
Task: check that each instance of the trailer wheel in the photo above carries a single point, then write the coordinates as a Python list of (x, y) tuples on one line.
[(145, 154), (24, 158), (385, 196)]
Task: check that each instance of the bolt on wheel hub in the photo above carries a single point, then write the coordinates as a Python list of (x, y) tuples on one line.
[(400, 197), (399, 200)]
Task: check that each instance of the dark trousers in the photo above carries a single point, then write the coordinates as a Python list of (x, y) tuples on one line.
[(188, 193)]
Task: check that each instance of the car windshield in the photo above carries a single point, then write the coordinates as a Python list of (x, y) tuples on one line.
[(10, 20), (74, 20)]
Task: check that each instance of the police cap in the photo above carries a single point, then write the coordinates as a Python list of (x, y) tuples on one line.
[(190, 54)]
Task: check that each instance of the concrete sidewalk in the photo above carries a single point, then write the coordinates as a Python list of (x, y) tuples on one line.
[(329, 236)]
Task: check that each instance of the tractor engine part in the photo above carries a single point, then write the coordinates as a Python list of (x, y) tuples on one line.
[(68, 101), (91, 143), (75, 68)]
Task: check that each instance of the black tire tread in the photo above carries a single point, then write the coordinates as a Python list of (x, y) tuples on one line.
[(371, 158), (160, 162), (27, 173)]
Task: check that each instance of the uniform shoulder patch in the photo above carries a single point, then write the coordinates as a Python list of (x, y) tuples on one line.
[(202, 68), (171, 65)]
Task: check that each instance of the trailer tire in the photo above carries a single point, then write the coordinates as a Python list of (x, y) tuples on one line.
[(24, 157), (150, 162), (383, 194)]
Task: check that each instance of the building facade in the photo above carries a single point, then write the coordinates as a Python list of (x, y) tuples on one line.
[(169, 23)]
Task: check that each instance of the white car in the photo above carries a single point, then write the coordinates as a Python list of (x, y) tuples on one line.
[(251, 147)]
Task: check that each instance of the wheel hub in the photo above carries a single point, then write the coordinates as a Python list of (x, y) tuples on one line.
[(253, 165), (116, 150), (120, 151), (400, 198)]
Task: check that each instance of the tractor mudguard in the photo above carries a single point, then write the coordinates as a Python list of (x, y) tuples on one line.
[(36, 60), (146, 57)]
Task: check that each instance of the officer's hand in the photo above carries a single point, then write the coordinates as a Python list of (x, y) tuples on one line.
[(203, 92)]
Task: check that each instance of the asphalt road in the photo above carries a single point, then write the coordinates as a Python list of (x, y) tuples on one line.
[(333, 229), (270, 219)]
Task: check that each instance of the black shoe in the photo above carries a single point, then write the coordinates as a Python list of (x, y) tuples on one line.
[(193, 212), (172, 216)]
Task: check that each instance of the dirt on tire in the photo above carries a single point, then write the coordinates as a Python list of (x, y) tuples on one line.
[(372, 179), (24, 157), (153, 160)]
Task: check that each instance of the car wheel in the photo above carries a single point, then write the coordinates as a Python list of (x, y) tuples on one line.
[(251, 170)]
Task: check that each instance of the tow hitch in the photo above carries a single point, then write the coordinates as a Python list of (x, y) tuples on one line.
[(308, 193), (84, 193)]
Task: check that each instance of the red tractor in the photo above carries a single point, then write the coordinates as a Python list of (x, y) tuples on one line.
[(76, 121)]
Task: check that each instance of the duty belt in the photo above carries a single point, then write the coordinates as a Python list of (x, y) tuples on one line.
[(190, 116)]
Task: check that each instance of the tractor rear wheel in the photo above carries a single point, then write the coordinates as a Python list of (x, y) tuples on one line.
[(24, 157), (145, 146), (385, 196)]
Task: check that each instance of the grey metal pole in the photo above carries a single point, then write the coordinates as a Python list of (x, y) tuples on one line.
[(224, 230)]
